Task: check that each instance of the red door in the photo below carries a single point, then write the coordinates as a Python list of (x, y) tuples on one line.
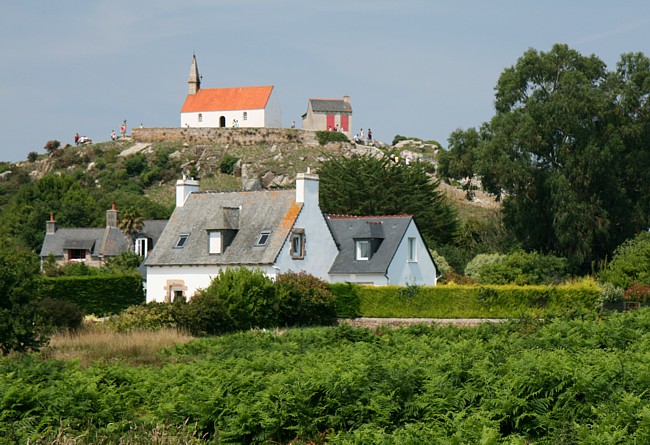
[(344, 122), (330, 122)]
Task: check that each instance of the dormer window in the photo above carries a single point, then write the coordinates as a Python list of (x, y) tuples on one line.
[(264, 238), (182, 239), (363, 250)]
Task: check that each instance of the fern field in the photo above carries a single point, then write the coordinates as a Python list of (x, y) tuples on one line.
[(553, 382)]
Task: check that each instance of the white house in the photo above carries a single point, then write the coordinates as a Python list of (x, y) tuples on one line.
[(246, 107), (278, 231)]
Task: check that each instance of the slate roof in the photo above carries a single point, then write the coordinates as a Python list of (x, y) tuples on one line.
[(106, 241), (243, 215), (386, 231), (227, 99), (330, 106)]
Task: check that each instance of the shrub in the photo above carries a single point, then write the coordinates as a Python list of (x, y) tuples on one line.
[(325, 137), (523, 268), (150, 316), (32, 156), (346, 299), (637, 292), (630, 264), (610, 297), (227, 164), (52, 146), (473, 268), (304, 300), (441, 262), (62, 314), (236, 299)]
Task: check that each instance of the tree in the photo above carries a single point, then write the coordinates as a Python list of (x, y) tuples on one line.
[(52, 146), (22, 325), (630, 264), (131, 225), (460, 159), (561, 147), (364, 185)]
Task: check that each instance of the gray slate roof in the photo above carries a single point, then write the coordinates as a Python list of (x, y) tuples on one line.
[(241, 215), (330, 106), (106, 241), (387, 231)]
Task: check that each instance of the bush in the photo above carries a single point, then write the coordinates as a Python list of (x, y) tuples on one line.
[(610, 297), (637, 292), (227, 164), (150, 316), (52, 146), (630, 264), (524, 268), (62, 314), (32, 156), (237, 299), (304, 300), (473, 268), (325, 137), (346, 299)]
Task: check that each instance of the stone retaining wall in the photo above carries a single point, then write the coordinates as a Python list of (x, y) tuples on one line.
[(225, 136)]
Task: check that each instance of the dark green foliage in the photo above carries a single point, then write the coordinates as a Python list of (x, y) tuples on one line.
[(99, 294), (346, 299), (304, 300), (126, 262), (62, 314), (325, 137), (631, 263), (22, 326), (523, 268), (32, 156), (488, 301), (52, 146), (553, 382), (227, 164), (364, 185), (568, 147)]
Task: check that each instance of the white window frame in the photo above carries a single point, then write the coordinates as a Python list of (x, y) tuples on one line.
[(141, 246), (412, 249), (363, 253), (215, 242)]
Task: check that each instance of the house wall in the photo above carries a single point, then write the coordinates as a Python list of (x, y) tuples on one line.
[(320, 249), (373, 280), (273, 112), (318, 122), (402, 271), (211, 119), (192, 277)]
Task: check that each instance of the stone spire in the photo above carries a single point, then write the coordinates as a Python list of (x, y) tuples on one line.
[(194, 81)]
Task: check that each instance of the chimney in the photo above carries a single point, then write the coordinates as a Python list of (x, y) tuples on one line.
[(183, 189), (112, 216), (307, 188), (346, 99), (50, 226)]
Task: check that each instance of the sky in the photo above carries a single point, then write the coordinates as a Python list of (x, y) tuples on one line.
[(420, 68)]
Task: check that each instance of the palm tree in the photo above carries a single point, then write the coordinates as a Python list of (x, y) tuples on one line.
[(131, 225)]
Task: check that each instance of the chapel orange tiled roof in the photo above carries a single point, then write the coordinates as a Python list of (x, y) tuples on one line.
[(224, 99)]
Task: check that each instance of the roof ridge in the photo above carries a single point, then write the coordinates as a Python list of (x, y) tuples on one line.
[(341, 216)]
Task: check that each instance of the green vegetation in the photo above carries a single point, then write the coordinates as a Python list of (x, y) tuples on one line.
[(325, 137), (559, 381), (518, 267), (365, 185), (630, 264)]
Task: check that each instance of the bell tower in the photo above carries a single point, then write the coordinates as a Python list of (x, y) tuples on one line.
[(194, 82)]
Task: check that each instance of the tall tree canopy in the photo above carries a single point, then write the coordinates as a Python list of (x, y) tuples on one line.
[(364, 185), (567, 149)]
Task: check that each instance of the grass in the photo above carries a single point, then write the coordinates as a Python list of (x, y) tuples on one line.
[(95, 343)]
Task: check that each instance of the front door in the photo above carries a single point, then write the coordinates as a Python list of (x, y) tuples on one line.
[(222, 122)]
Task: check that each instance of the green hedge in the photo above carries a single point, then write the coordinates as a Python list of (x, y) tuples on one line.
[(457, 301), (96, 294)]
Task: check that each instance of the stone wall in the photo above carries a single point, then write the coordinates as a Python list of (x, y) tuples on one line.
[(225, 136)]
